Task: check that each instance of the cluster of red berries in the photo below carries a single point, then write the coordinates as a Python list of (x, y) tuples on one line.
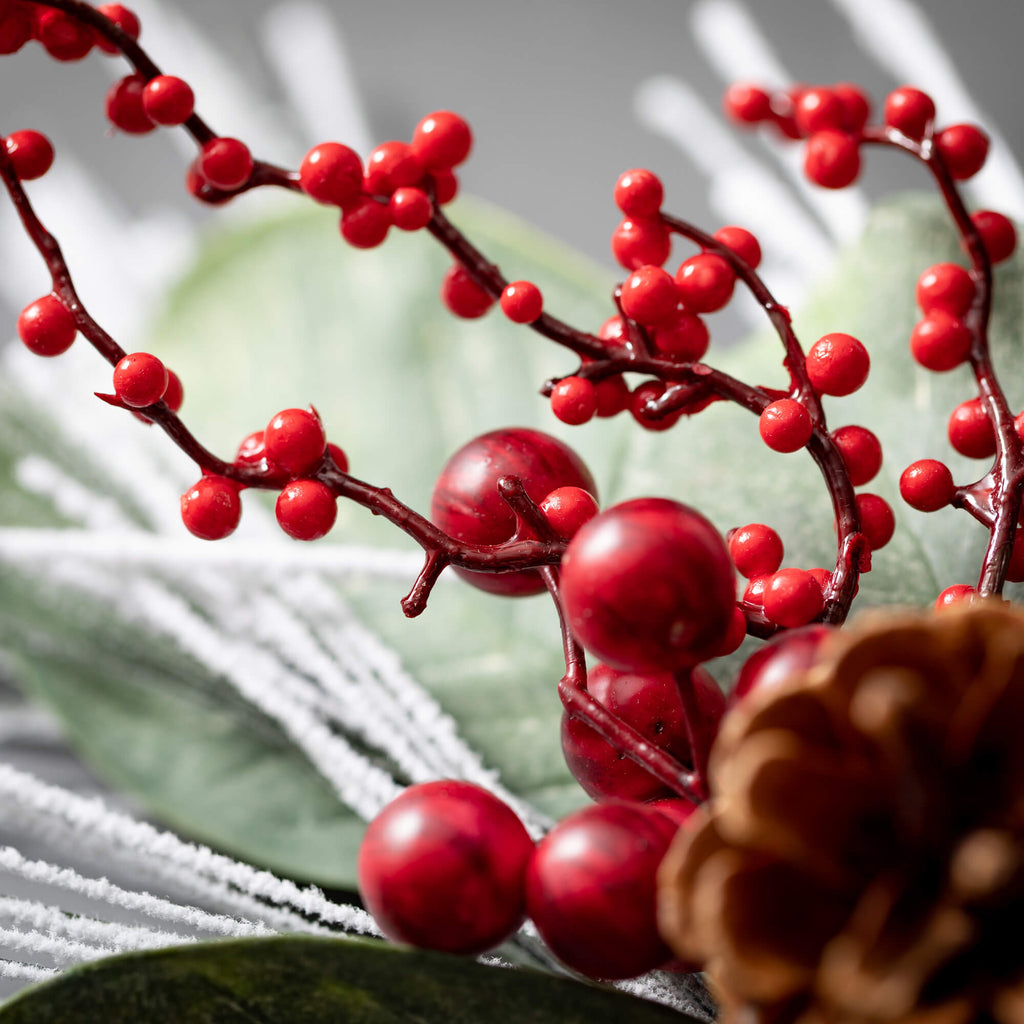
[(63, 37)]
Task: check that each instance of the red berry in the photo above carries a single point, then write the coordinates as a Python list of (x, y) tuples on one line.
[(467, 506), (647, 584), (174, 393), (332, 174), (126, 20), (945, 286), (46, 326), (365, 223), (792, 597), (225, 163), (734, 636), (970, 430), (442, 140), (391, 165), (780, 659), (612, 395), (997, 233), (295, 441), (927, 485), (201, 189), (639, 193), (140, 379), (824, 579), (637, 243), (685, 339), (877, 521), (832, 159), (446, 186), (168, 100), (963, 147), (650, 297), (649, 391), (211, 508), (747, 103), (954, 595), (591, 889), (742, 242), (567, 508), (443, 867), (16, 28), (574, 400), (785, 425), (64, 38), (838, 364), (756, 550), (124, 106), (337, 456), (753, 593), (462, 295), (31, 153), (909, 111), (306, 509), (819, 108), (856, 106), (410, 208), (940, 341), (705, 282), (613, 329), (522, 302), (251, 452)]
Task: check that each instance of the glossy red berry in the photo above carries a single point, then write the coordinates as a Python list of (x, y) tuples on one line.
[(838, 364), (16, 28), (792, 597), (639, 193), (964, 148), (945, 286), (126, 20), (174, 393), (200, 189), (753, 593), (140, 379), (443, 867), (446, 186), (909, 111), (46, 326), (785, 425), (365, 223), (637, 243), (31, 153), (462, 295), (391, 165), (64, 38), (856, 106), (780, 659), (877, 521), (251, 452), (225, 163), (959, 593), (567, 508), (337, 456), (747, 104), (612, 395), (832, 159), (332, 174), (755, 549), (574, 400), (211, 508), (819, 108), (306, 509), (861, 451), (442, 140), (467, 506), (410, 208), (645, 393), (591, 889), (940, 341), (997, 232), (970, 430), (522, 302), (705, 282), (685, 339), (647, 584), (650, 297), (295, 441), (124, 106), (168, 100), (742, 242), (927, 485)]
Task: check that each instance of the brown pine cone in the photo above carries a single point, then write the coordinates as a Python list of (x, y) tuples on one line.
[(862, 856)]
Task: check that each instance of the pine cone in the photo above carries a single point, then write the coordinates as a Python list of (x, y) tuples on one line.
[(861, 857)]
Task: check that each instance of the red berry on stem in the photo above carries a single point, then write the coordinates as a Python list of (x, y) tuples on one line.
[(168, 100), (748, 104), (970, 430), (612, 395), (295, 441), (832, 159), (742, 242), (306, 509), (126, 20), (410, 208), (927, 485), (365, 223), (338, 456), (391, 165), (780, 659), (446, 186), (637, 243), (443, 867), (639, 193), (251, 452), (31, 153), (685, 339), (735, 635), (225, 163), (649, 296), (792, 597), (755, 549), (567, 508), (211, 508), (174, 393), (650, 391), (522, 302), (648, 584), (64, 38), (124, 106), (954, 595), (442, 140), (201, 189), (785, 425), (945, 286), (838, 364), (140, 379), (819, 108), (877, 521), (574, 400), (462, 295), (909, 111), (997, 233), (331, 173), (964, 148), (16, 28), (753, 593), (940, 341), (861, 452), (46, 326), (705, 282), (856, 106)]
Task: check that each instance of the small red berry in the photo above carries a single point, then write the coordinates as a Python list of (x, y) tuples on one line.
[(755, 549), (832, 159), (705, 282), (753, 593), (462, 295), (861, 451), (46, 326), (211, 508), (685, 339), (64, 38), (637, 243), (742, 242), (940, 341), (225, 163), (251, 452), (332, 174), (140, 379), (856, 106), (124, 106), (945, 286), (574, 400), (838, 364), (410, 208), (639, 193), (964, 148), (970, 430), (174, 394), (650, 296), (338, 456), (295, 441), (877, 521), (16, 28), (612, 395), (613, 329), (954, 595), (819, 108), (391, 165), (199, 188), (31, 153), (306, 509), (927, 485), (567, 509), (747, 103), (997, 232), (446, 186), (365, 223), (909, 111), (522, 302), (792, 597), (649, 391), (168, 100), (127, 21), (785, 425), (442, 140)]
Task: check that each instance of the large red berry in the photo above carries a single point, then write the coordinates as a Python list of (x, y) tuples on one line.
[(838, 364), (168, 100), (742, 242), (997, 232), (295, 441), (940, 341), (909, 111), (650, 297), (365, 222), (755, 550), (780, 659), (591, 889), (832, 159), (31, 153), (140, 379), (748, 104), (927, 485), (306, 509), (964, 148), (391, 165), (46, 326), (443, 867), (637, 242), (331, 173), (785, 425), (126, 20), (792, 597), (648, 584), (442, 140), (705, 282), (211, 508), (970, 430), (639, 193), (124, 106), (462, 295), (945, 286), (861, 451), (467, 506), (225, 163)]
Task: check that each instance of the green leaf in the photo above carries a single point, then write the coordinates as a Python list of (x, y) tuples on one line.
[(315, 981)]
